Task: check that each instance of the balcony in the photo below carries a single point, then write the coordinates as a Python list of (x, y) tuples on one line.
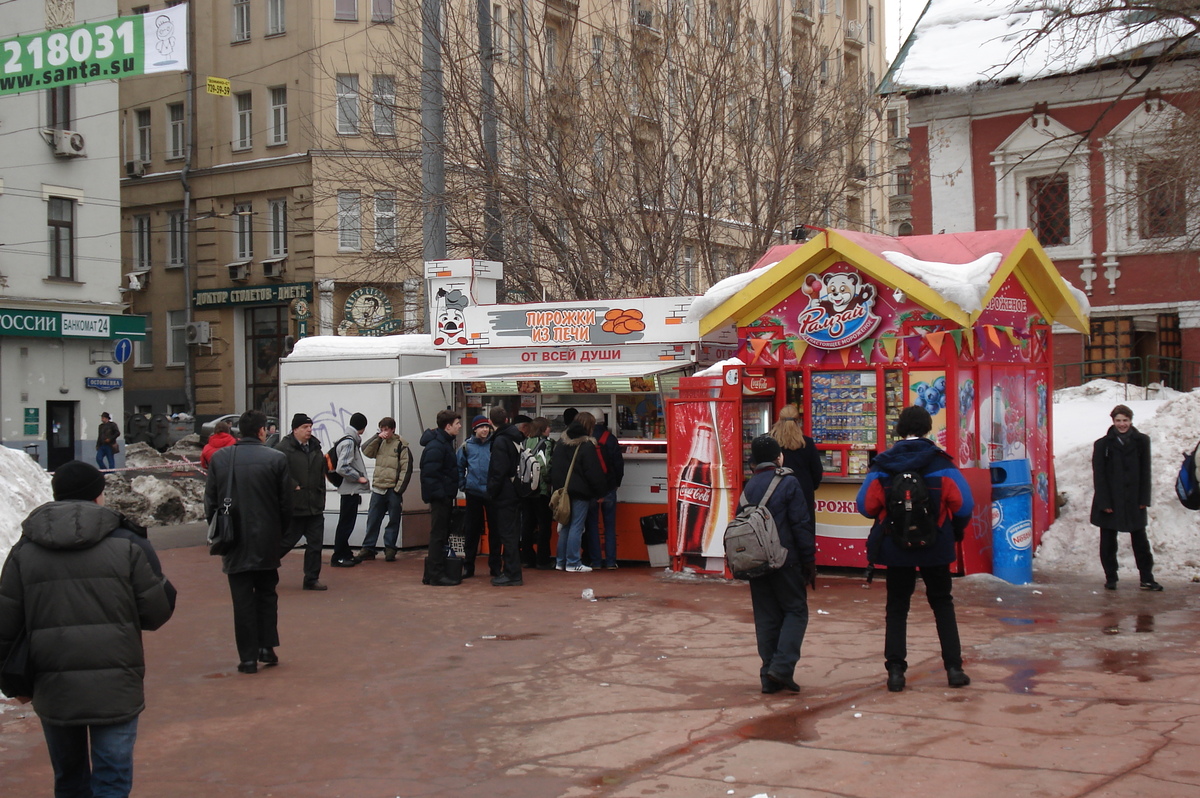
[(856, 34)]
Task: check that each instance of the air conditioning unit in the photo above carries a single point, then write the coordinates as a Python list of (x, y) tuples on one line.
[(197, 332), (273, 269), (69, 144), (135, 169), (137, 280), (239, 272)]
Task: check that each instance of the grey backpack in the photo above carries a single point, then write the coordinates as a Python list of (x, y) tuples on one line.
[(752, 546)]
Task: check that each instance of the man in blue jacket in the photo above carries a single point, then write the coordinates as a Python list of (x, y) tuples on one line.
[(778, 597), (439, 489), (950, 499)]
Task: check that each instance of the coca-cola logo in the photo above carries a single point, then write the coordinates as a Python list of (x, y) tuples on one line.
[(839, 311), (695, 494)]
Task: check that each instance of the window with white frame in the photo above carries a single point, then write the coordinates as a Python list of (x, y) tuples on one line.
[(279, 115), (176, 131), (345, 10), (241, 20), (1162, 201), (381, 11), (143, 349), (141, 241), (60, 222), (383, 105), (347, 104), (551, 49), (176, 238), (498, 31), (1041, 184), (279, 227), (144, 143), (276, 22), (689, 17), (243, 134), (349, 221), (176, 337), (687, 267), (243, 215), (58, 108), (385, 221)]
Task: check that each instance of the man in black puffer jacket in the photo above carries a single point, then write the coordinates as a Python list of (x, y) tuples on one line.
[(88, 583), (504, 534), (439, 489)]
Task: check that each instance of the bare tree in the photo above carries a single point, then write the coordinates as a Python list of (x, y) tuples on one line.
[(643, 152)]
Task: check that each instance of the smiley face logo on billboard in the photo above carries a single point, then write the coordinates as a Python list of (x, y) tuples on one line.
[(840, 309)]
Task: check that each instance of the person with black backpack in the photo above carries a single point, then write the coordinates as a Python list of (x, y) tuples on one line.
[(921, 505), (778, 597)]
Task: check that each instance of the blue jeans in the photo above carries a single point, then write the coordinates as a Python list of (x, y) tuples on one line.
[(105, 453), (606, 507), (391, 503), (108, 774), (568, 544)]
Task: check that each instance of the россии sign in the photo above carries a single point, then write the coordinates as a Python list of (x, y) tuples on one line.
[(52, 324), (136, 45)]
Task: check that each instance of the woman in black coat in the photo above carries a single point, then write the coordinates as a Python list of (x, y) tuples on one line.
[(588, 483), (799, 454), (1121, 474)]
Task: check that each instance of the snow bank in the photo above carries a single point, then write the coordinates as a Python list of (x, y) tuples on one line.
[(23, 486), (1072, 542), (351, 346)]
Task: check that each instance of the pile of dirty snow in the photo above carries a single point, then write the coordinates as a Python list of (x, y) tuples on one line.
[(1072, 542), (158, 489), (25, 486)]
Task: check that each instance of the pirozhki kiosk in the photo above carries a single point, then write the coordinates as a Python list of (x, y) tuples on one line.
[(850, 328)]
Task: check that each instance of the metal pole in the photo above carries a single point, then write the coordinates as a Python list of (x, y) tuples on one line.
[(189, 377), (433, 166), (493, 239)]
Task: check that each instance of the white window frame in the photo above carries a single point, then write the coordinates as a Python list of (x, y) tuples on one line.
[(176, 338), (243, 238), (141, 239), (346, 90), (143, 348), (276, 17), (385, 221), (383, 105), (144, 132), (279, 116), (176, 131), (498, 30), (1038, 152), (345, 10), (243, 121), (176, 239), (382, 11), (62, 234), (279, 228), (241, 21), (349, 221)]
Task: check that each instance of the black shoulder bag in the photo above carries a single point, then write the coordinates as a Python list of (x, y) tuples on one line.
[(222, 538)]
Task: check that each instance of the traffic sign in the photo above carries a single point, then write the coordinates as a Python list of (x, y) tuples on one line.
[(122, 350)]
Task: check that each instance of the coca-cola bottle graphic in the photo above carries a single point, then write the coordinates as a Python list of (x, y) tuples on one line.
[(696, 491)]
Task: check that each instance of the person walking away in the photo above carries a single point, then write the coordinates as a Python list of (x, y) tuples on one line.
[(221, 437), (393, 470), (84, 583), (779, 597), (261, 497), (1121, 476), (799, 454), (354, 484), (587, 483), (439, 489), (535, 534), (522, 423), (951, 504), (606, 506), (474, 460), (504, 531), (106, 441), (306, 465)]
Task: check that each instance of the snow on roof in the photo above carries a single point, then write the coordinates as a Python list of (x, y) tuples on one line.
[(964, 284), (719, 292), (325, 347), (717, 369), (960, 43)]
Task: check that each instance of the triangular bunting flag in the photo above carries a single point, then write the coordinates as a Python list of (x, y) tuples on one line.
[(799, 346), (867, 347), (992, 335), (957, 337), (890, 342), (913, 345), (845, 353), (969, 341), (936, 341), (1012, 336), (757, 345)]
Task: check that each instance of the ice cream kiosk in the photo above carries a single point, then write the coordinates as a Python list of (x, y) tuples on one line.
[(850, 328)]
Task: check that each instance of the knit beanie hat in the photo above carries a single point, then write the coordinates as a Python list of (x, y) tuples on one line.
[(358, 421), (480, 421), (300, 419), (764, 449), (77, 480)]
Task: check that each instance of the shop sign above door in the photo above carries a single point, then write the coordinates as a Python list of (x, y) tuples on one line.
[(253, 295)]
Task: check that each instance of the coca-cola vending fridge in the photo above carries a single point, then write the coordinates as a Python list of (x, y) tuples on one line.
[(703, 475)]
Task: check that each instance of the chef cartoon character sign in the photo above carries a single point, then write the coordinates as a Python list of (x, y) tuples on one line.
[(840, 309), (451, 323)]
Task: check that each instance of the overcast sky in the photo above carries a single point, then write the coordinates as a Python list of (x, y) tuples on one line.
[(899, 17)]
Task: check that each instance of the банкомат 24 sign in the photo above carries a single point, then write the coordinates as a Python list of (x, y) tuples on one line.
[(116, 48)]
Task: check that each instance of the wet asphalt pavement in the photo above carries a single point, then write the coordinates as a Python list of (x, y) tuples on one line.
[(390, 688)]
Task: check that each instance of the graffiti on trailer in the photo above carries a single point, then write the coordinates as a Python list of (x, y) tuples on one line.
[(331, 424)]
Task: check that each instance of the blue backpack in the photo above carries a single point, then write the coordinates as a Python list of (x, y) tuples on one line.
[(1185, 484)]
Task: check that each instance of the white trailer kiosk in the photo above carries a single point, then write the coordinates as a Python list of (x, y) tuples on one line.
[(332, 377)]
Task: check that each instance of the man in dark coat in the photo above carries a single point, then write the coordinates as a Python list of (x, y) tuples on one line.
[(306, 465), (106, 441), (950, 500), (505, 532), (439, 489), (84, 583), (778, 597), (606, 507), (1121, 475), (262, 510)]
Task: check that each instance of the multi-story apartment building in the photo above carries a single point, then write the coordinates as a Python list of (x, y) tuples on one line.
[(599, 149), (61, 308)]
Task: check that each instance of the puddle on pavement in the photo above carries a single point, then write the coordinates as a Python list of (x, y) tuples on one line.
[(523, 636), (1027, 621), (793, 726), (215, 675)]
